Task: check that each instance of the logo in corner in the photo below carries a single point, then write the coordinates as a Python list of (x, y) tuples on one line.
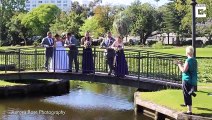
[(200, 10)]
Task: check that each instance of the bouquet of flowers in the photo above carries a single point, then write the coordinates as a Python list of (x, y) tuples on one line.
[(118, 48), (87, 44)]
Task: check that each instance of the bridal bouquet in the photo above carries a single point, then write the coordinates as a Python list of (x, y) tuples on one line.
[(87, 44), (118, 48)]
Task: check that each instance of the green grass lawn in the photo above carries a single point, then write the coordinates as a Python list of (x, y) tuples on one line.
[(202, 103), (201, 52)]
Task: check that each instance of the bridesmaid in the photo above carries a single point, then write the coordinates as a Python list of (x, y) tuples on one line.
[(87, 57), (121, 68)]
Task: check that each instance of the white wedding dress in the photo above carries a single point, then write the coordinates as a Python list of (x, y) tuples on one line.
[(60, 59)]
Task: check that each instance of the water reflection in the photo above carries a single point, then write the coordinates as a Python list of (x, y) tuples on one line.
[(86, 101)]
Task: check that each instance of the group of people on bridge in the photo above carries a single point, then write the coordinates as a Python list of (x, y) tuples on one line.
[(59, 60)]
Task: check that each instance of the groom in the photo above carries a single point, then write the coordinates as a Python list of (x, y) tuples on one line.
[(110, 53), (71, 42), (48, 43)]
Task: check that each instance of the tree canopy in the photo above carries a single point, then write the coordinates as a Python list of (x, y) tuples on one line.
[(92, 25), (40, 18), (68, 22), (137, 19)]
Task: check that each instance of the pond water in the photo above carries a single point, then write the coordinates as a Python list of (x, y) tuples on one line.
[(86, 101)]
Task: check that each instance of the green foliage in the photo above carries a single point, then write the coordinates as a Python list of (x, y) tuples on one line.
[(18, 31), (208, 46), (36, 43), (92, 25), (172, 18), (67, 23), (7, 9), (158, 45), (122, 24), (205, 29), (40, 18), (185, 11), (204, 70), (83, 10), (143, 17), (105, 17)]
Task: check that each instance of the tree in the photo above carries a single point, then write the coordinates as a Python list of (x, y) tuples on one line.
[(77, 8), (68, 23), (8, 9), (18, 31), (143, 19), (83, 10), (105, 17), (92, 25), (205, 29), (172, 20), (122, 24), (40, 18), (185, 10)]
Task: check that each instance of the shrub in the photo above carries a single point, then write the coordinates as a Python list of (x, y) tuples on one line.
[(127, 44), (36, 43), (168, 47), (204, 70), (158, 45), (209, 42), (151, 42), (208, 46)]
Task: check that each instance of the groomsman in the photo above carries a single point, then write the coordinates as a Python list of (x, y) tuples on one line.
[(72, 43), (48, 43), (110, 53)]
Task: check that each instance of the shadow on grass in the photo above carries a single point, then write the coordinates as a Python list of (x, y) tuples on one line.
[(209, 93), (205, 109), (204, 114)]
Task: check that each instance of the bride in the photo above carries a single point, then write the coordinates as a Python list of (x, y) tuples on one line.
[(60, 59)]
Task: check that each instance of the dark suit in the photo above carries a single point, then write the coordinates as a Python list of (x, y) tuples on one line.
[(48, 43), (110, 53), (73, 52)]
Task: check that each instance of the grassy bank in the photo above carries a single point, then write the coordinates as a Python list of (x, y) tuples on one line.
[(173, 98), (4, 83)]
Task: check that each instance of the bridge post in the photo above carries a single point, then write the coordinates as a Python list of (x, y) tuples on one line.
[(35, 59), (54, 49), (147, 73), (5, 61), (19, 60), (94, 60), (139, 64)]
